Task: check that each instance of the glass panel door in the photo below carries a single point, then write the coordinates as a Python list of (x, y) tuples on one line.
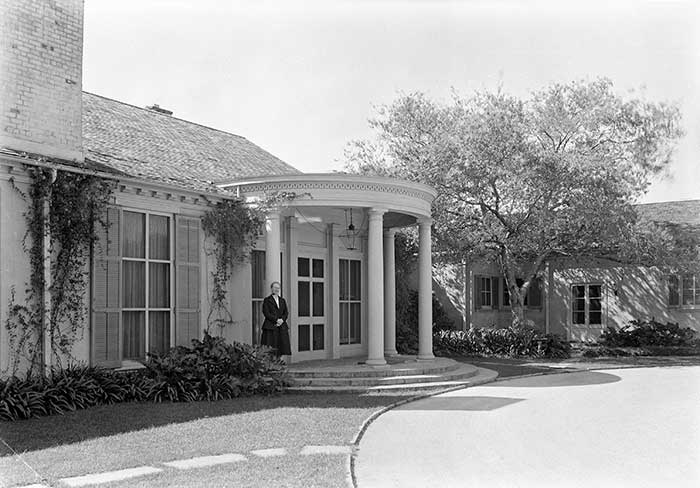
[(311, 307)]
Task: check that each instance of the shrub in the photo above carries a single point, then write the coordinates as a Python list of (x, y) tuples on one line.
[(649, 333), (209, 370), (507, 342), (213, 369), (407, 322)]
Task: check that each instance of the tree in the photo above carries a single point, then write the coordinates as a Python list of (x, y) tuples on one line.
[(523, 181)]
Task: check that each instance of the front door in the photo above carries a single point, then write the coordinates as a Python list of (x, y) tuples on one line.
[(311, 308)]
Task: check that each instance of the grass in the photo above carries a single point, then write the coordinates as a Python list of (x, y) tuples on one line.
[(128, 435)]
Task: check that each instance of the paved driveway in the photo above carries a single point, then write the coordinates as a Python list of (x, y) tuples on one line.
[(612, 428)]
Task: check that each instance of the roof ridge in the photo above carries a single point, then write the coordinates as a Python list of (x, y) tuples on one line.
[(686, 200), (173, 117)]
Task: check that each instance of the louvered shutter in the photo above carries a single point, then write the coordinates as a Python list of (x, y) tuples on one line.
[(106, 289), (187, 280), (534, 298), (477, 292), (495, 280)]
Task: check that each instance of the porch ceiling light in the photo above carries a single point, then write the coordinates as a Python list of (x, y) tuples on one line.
[(349, 236)]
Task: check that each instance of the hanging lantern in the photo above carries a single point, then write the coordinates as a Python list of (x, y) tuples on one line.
[(349, 236)]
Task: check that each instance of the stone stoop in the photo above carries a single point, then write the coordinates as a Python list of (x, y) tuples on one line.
[(409, 375)]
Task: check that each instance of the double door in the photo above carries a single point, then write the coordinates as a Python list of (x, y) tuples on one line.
[(311, 308)]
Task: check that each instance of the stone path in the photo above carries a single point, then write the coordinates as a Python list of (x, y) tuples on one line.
[(191, 463)]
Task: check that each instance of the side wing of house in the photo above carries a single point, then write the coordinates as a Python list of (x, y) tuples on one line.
[(586, 299)]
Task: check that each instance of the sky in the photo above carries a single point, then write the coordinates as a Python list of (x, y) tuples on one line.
[(302, 78)]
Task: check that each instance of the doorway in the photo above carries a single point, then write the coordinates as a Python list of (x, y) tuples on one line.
[(311, 308)]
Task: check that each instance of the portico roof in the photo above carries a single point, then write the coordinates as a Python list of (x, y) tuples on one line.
[(342, 190)]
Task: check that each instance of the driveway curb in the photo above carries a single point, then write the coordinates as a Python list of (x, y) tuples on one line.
[(352, 481)]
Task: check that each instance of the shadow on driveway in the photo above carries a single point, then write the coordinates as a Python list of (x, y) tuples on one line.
[(582, 378), (456, 403)]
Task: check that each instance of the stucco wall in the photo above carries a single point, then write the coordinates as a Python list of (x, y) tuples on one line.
[(628, 293), (501, 317)]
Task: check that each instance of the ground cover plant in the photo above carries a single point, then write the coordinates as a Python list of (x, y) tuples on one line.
[(211, 369), (508, 342)]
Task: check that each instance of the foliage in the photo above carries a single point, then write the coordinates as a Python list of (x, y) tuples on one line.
[(407, 327), (523, 181), (508, 342), (75, 204), (212, 369), (649, 333), (234, 228), (209, 370)]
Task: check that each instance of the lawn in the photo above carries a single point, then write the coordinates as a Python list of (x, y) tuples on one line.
[(129, 435)]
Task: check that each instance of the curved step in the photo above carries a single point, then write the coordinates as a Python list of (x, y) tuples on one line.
[(460, 371), (472, 378), (406, 368)]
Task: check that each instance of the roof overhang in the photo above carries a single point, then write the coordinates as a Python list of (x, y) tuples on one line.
[(341, 190)]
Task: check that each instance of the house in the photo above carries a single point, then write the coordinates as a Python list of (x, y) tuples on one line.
[(579, 299), (151, 274)]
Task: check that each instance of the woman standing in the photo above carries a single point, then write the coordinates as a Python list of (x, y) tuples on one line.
[(275, 331)]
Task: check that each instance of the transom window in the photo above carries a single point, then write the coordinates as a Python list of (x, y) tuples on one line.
[(350, 300), (146, 272), (587, 304)]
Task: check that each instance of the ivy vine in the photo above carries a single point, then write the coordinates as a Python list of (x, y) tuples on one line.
[(76, 205), (233, 226)]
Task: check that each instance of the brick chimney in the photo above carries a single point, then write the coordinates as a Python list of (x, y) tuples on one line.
[(41, 67)]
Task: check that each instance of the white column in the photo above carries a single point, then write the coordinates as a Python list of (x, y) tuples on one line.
[(425, 290), (272, 248), (389, 294), (375, 292)]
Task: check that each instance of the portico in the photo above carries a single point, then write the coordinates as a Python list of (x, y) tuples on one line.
[(342, 294)]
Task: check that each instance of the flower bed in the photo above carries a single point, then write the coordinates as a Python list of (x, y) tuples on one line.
[(209, 370), (509, 342)]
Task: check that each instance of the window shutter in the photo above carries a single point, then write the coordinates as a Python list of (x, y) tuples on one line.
[(674, 296), (187, 280), (495, 280), (534, 298), (106, 289), (477, 292)]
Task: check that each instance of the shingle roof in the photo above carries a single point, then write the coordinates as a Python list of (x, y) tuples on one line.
[(146, 144), (685, 212)]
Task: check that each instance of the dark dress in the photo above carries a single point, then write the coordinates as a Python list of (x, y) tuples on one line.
[(272, 335)]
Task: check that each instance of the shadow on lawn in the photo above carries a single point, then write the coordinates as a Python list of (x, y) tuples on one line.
[(44, 432)]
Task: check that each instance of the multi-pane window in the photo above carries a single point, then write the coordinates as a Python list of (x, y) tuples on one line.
[(587, 304), (350, 280), (257, 264), (684, 290), (486, 292), (146, 270)]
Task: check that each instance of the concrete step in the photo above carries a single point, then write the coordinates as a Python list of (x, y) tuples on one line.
[(459, 372), (406, 368), (470, 376)]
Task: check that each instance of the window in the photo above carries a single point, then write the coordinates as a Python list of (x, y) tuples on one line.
[(533, 299), (486, 292), (146, 270), (684, 290), (257, 264), (586, 304), (350, 301)]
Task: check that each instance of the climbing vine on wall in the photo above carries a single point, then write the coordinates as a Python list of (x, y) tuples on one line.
[(232, 227), (64, 211)]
